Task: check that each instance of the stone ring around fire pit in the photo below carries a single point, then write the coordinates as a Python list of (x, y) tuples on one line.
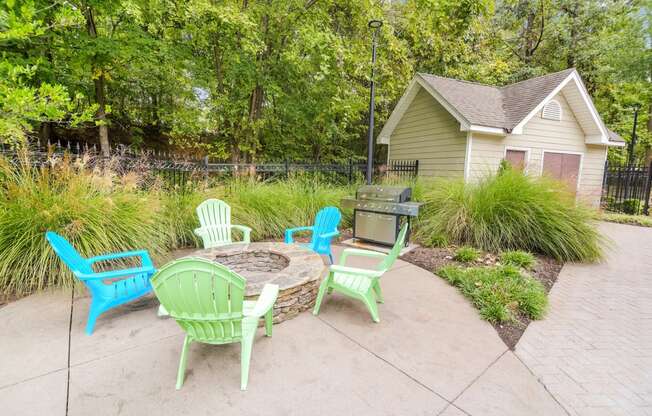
[(295, 269)]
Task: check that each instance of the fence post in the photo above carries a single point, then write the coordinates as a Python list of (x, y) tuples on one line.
[(416, 167), (648, 185), (287, 168), (350, 170), (605, 190)]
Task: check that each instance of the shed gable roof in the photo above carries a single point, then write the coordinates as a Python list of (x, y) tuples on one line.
[(501, 110), (500, 107)]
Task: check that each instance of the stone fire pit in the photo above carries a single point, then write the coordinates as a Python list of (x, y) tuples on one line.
[(295, 269)]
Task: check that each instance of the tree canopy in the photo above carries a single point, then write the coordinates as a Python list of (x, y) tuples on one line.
[(254, 80)]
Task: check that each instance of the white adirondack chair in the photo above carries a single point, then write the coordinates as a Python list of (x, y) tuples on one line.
[(215, 220)]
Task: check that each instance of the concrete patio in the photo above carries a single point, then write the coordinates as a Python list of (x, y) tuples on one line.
[(430, 355)]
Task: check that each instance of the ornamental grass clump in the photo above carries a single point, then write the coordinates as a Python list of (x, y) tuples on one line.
[(511, 211), (501, 293), (95, 210), (269, 208), (517, 258), (466, 254)]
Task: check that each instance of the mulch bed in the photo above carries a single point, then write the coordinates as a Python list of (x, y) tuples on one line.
[(546, 271)]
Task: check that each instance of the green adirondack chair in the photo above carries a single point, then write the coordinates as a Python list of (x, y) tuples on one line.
[(215, 220), (207, 301), (362, 284)]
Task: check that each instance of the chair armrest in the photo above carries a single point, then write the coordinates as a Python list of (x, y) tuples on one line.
[(246, 232), (265, 301), (290, 231), (116, 273), (328, 236), (200, 232), (356, 271), (359, 252), (146, 261)]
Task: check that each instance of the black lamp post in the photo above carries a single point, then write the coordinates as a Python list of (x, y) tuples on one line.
[(632, 142), (375, 25)]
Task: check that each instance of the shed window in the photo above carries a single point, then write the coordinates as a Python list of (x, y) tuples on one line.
[(516, 158), (552, 111), (564, 167)]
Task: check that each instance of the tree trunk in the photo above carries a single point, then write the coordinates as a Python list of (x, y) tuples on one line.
[(100, 97), (256, 103), (45, 133)]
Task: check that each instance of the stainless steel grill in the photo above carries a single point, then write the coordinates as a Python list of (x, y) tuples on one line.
[(380, 211)]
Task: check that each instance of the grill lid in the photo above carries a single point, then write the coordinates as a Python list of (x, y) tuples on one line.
[(384, 193)]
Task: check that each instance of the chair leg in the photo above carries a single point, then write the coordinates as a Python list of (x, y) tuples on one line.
[(320, 295), (245, 358), (379, 293), (162, 311), (330, 256), (182, 362), (93, 314), (269, 320), (370, 301)]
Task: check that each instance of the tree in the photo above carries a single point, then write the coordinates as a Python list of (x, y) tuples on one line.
[(26, 101)]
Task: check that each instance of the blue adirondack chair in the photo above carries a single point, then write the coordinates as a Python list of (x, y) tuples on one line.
[(122, 285), (323, 231)]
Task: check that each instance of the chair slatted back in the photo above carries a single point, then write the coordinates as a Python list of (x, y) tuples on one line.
[(205, 298), (67, 253), (75, 262), (326, 221), (215, 218), (388, 261)]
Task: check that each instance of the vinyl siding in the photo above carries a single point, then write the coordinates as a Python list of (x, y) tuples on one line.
[(539, 136), (429, 134)]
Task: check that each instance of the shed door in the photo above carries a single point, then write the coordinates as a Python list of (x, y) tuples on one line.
[(516, 158), (563, 167)]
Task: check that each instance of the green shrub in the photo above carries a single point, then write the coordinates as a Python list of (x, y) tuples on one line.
[(631, 206), (517, 258), (511, 211), (437, 240), (100, 211), (500, 293), (271, 207), (93, 210), (466, 254)]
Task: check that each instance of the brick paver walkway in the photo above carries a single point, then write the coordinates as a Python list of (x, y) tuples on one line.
[(593, 351)]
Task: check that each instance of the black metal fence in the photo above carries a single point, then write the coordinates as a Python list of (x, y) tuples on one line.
[(181, 170), (626, 189)]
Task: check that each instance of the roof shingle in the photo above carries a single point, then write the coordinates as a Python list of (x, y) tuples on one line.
[(500, 107)]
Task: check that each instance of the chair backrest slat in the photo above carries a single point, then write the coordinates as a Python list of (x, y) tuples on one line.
[(205, 298), (66, 252), (79, 265), (215, 218), (326, 221), (388, 261)]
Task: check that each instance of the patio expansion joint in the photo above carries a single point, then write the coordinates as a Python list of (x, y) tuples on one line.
[(542, 384), (92, 360), (6, 386), (404, 372), (72, 305), (452, 402)]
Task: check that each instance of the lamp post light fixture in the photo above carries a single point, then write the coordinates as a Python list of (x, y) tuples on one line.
[(375, 25)]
